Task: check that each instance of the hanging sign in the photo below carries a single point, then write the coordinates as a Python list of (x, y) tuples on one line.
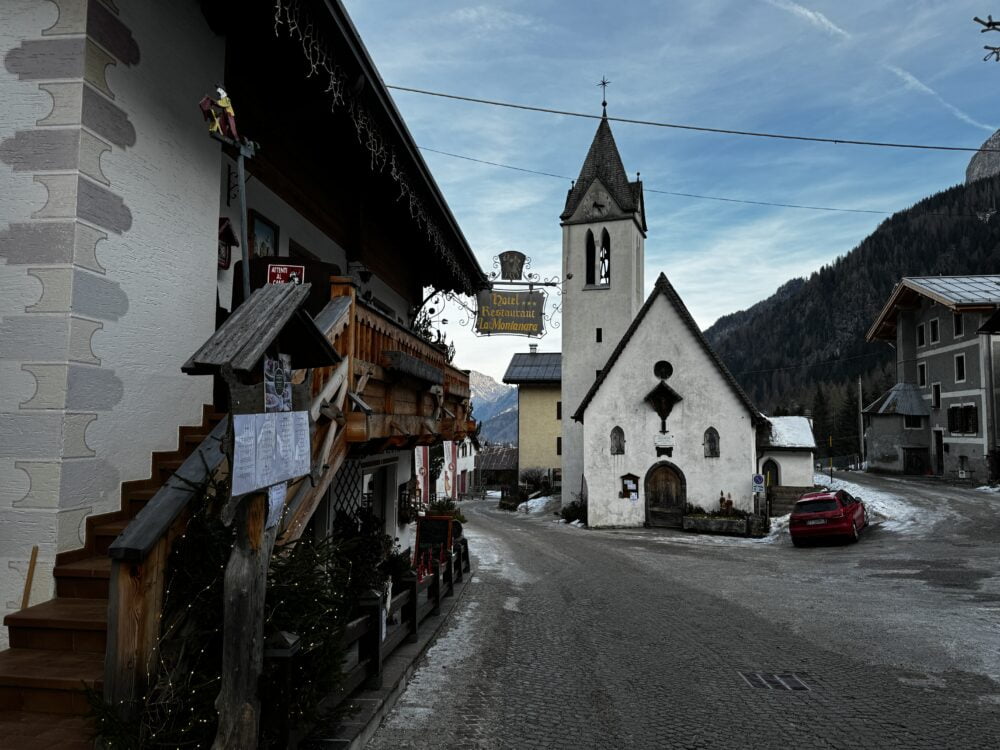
[(285, 274), (500, 312)]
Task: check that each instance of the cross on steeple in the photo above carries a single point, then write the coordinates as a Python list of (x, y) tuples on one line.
[(604, 94)]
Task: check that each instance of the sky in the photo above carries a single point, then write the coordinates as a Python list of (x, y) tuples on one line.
[(900, 71)]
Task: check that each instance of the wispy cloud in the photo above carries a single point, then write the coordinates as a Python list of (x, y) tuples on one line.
[(822, 22), (814, 17), (915, 84)]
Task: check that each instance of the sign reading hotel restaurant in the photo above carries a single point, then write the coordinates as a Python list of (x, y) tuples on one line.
[(501, 312)]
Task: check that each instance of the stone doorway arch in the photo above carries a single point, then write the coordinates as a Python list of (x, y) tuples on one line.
[(771, 472), (666, 495)]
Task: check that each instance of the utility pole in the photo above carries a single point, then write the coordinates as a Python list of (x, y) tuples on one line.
[(861, 424), (989, 25)]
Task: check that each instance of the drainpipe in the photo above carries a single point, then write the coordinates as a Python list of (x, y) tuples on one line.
[(989, 399)]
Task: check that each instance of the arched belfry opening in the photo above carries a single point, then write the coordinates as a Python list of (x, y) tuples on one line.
[(604, 277), (591, 259)]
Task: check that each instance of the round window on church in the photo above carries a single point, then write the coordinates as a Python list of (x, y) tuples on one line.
[(663, 369)]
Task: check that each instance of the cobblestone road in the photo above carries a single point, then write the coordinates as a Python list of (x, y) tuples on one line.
[(571, 638)]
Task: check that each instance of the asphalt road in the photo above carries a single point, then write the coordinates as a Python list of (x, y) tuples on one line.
[(572, 638)]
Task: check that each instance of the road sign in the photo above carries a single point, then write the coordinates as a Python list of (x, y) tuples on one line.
[(758, 482)]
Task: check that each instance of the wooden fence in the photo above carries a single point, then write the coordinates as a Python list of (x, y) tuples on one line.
[(414, 603)]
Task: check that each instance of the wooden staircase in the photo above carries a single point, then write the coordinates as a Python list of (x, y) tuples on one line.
[(58, 647)]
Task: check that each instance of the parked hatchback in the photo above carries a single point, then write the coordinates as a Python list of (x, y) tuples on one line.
[(827, 514)]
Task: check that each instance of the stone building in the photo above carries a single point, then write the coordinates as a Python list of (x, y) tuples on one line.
[(604, 233), (940, 417), (658, 421)]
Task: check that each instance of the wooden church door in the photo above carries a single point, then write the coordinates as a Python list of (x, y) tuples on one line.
[(666, 495)]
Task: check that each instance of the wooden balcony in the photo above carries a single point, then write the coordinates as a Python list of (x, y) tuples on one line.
[(401, 390)]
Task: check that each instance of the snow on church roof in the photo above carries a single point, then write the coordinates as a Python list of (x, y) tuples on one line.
[(791, 432)]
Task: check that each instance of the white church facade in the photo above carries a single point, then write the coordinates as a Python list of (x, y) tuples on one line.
[(654, 421)]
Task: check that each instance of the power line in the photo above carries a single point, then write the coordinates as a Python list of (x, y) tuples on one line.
[(697, 128), (654, 190)]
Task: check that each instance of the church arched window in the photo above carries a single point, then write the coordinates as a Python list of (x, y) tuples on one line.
[(605, 269), (591, 259), (617, 441), (711, 443)]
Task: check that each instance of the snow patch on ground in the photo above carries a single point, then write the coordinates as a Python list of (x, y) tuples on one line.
[(987, 488), (493, 556), (540, 505), (493, 494), (892, 512)]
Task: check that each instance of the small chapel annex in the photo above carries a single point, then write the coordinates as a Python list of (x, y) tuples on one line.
[(654, 420)]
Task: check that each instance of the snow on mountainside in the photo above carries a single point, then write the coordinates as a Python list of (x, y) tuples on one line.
[(495, 405), (490, 397)]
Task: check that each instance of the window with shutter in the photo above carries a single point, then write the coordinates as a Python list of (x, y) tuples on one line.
[(970, 420), (954, 417)]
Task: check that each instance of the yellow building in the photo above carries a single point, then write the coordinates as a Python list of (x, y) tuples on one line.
[(538, 377)]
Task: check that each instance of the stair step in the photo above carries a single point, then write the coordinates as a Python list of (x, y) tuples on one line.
[(48, 681), (166, 467), (136, 500), (22, 730), (83, 579), (61, 624), (106, 533)]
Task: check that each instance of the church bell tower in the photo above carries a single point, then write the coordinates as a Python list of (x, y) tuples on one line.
[(604, 231)]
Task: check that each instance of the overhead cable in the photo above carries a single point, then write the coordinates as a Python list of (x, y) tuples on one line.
[(697, 128)]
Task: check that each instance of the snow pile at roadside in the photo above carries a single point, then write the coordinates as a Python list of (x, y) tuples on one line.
[(891, 511), (540, 505), (493, 494), (988, 488)]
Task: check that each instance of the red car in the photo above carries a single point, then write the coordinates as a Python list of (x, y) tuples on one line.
[(826, 514)]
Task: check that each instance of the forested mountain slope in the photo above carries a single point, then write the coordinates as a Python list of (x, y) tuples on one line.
[(820, 322)]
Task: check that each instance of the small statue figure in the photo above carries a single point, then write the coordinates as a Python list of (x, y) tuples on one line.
[(220, 113), (722, 500), (729, 502)]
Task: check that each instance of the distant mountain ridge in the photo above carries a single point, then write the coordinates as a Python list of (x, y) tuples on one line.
[(495, 405), (811, 331)]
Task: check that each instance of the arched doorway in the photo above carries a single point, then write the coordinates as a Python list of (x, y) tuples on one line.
[(666, 495), (772, 475)]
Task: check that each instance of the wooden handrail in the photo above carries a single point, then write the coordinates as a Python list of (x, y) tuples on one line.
[(153, 522)]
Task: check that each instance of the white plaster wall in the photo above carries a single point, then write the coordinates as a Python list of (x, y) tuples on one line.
[(584, 310), (795, 469), (36, 436), (404, 472), (708, 400), (165, 263)]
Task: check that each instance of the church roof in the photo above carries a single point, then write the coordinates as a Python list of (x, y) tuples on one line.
[(604, 163), (665, 288)]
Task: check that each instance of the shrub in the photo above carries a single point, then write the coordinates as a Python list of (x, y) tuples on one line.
[(575, 511), (446, 506)]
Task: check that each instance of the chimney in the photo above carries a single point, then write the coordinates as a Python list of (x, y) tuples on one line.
[(533, 348)]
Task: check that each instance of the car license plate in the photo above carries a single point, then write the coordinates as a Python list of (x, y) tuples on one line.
[(815, 522)]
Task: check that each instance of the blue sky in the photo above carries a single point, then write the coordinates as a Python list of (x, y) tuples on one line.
[(888, 71)]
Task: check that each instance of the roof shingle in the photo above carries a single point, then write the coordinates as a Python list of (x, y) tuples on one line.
[(534, 367)]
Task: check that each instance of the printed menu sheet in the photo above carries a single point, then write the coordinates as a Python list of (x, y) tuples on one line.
[(269, 448)]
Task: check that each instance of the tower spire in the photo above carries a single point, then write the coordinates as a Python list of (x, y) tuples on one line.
[(604, 95)]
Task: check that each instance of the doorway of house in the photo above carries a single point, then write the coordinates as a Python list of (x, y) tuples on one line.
[(666, 495), (938, 452)]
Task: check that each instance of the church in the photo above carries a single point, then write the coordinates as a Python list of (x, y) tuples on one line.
[(653, 419)]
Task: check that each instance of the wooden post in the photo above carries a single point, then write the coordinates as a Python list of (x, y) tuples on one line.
[(449, 573), (136, 600), (29, 579), (435, 588), (370, 646), (243, 621), (411, 610)]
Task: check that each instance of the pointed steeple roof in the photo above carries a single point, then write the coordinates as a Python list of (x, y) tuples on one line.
[(603, 162)]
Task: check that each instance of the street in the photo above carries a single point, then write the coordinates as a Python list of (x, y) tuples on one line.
[(573, 638)]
